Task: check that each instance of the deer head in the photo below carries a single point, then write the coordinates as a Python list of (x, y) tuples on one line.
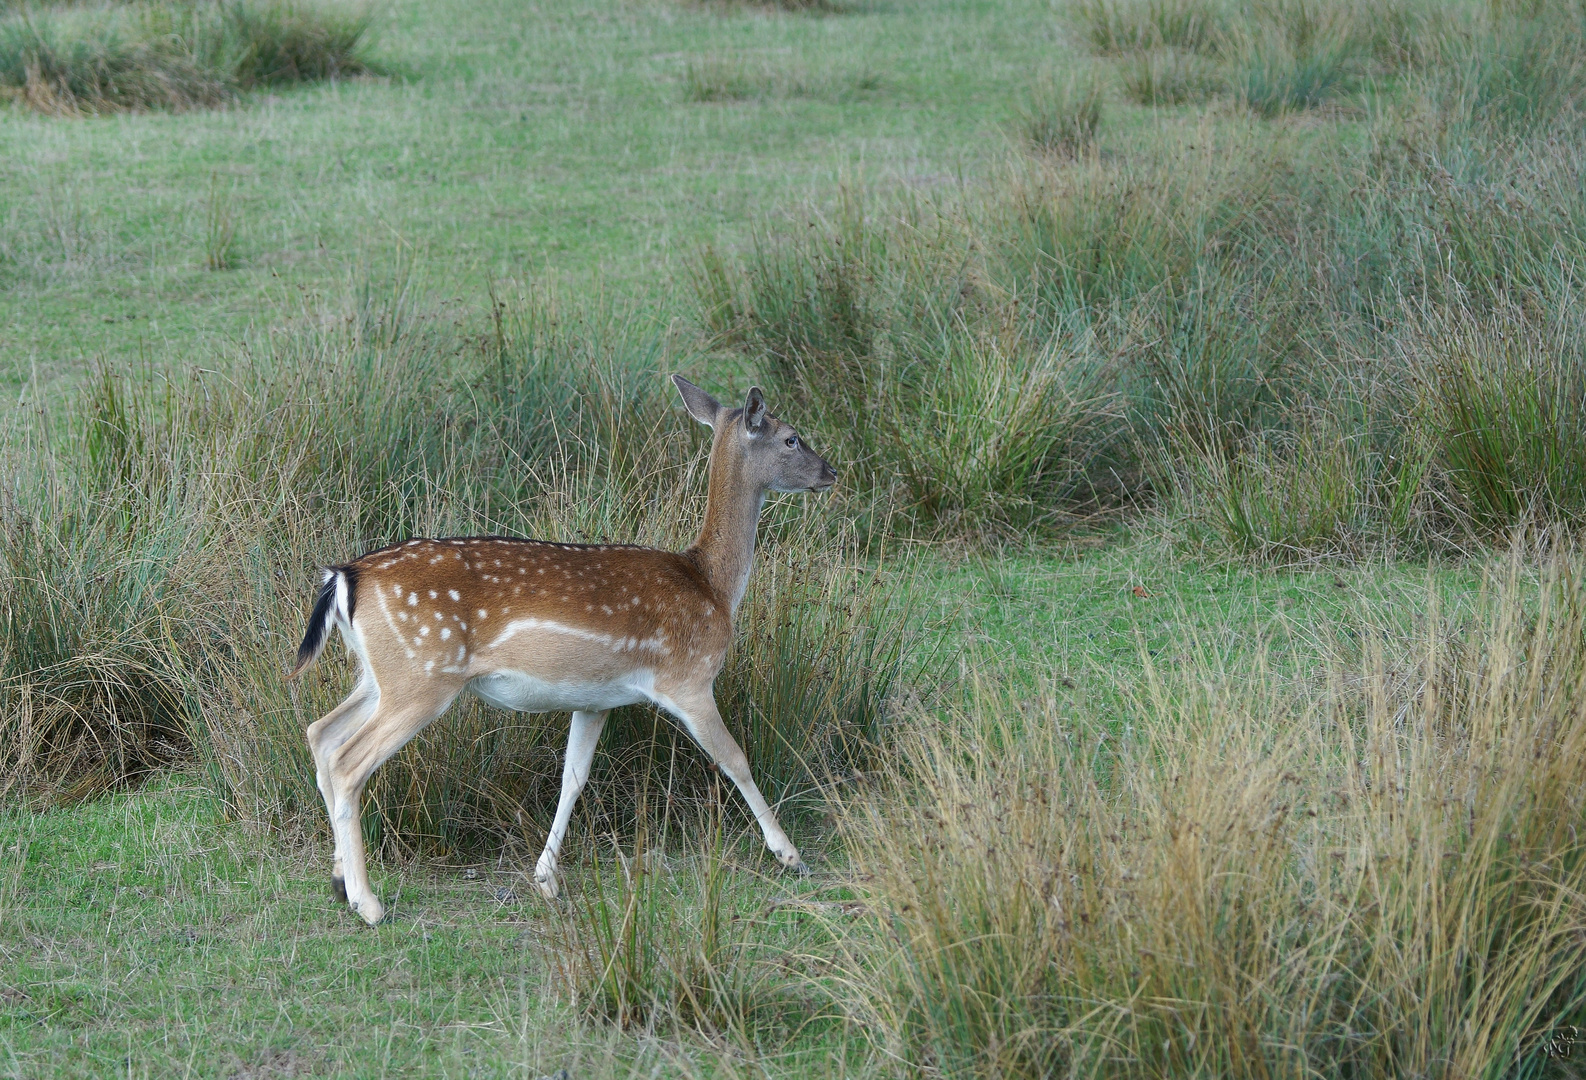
[(761, 452)]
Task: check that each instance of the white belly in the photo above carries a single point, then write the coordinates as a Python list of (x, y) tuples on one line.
[(524, 693)]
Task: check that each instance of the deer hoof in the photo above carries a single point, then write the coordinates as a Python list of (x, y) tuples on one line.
[(338, 887), (546, 879), (370, 911)]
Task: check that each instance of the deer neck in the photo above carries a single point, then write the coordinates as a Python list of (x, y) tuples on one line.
[(724, 550)]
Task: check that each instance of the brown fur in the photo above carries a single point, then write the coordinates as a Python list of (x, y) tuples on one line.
[(633, 600)]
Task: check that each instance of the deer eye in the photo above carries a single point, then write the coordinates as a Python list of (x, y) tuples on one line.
[(793, 441)]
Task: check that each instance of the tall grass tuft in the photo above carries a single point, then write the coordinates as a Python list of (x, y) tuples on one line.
[(90, 695), (165, 54), (1275, 72), (220, 224), (1167, 76), (718, 78), (1116, 27), (663, 937), (952, 424), (279, 42), (1379, 874), (1503, 398), (1321, 489), (1061, 116)]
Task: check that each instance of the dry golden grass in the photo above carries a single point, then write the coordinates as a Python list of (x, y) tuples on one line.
[(1379, 872)]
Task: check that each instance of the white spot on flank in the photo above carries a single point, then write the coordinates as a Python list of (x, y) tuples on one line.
[(396, 591), (432, 594), (429, 668), (483, 614), (424, 631), (453, 594), (606, 609), (446, 633), (402, 615), (413, 599)]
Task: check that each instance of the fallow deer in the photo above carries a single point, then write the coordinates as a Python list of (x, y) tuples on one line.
[(542, 627)]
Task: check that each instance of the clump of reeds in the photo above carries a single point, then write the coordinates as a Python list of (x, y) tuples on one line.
[(669, 933), (1318, 489), (1380, 873), (718, 78), (951, 425), (1118, 27), (1167, 76), (1061, 115), (1502, 396), (173, 54)]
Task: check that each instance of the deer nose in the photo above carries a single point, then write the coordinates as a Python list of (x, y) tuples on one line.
[(828, 477)]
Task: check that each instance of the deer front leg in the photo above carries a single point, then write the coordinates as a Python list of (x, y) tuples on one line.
[(581, 740), (703, 720)]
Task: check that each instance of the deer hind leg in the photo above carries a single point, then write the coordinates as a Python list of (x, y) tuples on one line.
[(385, 732), (703, 720), (325, 736), (581, 740)]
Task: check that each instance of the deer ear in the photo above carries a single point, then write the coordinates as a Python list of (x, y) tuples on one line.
[(700, 405), (754, 411)]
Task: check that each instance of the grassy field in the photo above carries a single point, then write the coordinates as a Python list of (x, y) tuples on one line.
[(1185, 678), (506, 143)]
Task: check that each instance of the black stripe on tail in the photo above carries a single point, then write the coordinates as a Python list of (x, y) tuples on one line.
[(319, 621)]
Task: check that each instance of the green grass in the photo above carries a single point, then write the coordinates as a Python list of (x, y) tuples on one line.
[(141, 935), (507, 142), (1204, 381)]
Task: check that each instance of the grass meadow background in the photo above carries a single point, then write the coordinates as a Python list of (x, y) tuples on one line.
[(1186, 678)]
